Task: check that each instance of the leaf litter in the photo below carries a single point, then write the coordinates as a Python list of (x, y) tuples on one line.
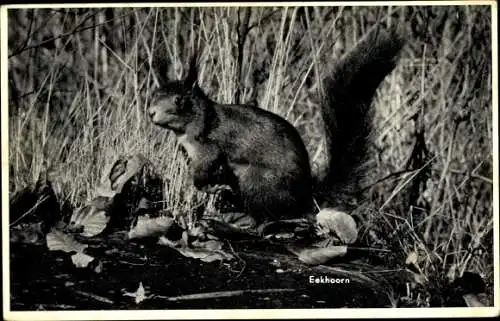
[(336, 230)]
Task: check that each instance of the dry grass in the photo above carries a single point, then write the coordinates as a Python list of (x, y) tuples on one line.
[(78, 101)]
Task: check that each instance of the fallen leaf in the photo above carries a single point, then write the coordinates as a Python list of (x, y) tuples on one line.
[(315, 256), (92, 218), (167, 242), (197, 244), (59, 241), (119, 173), (374, 237), (219, 229), (217, 256), (239, 220), (210, 245), (341, 224), (412, 259), (472, 300), (330, 241), (205, 255), (27, 233), (199, 230), (81, 260), (272, 228), (140, 294), (98, 267), (145, 204), (150, 227), (284, 236)]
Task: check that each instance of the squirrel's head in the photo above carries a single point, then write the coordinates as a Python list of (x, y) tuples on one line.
[(174, 103)]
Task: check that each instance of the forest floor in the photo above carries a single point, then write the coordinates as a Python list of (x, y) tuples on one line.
[(262, 276)]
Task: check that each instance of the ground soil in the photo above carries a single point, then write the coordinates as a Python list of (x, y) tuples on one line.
[(45, 280)]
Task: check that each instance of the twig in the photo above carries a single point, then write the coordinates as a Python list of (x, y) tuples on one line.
[(400, 187), (42, 306), (26, 41), (221, 294), (239, 258), (398, 173), (31, 210), (95, 297), (133, 264), (484, 179), (362, 248)]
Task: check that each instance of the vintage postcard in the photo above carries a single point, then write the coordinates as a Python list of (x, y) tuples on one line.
[(249, 160)]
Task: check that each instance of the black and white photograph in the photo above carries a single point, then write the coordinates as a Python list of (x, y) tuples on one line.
[(249, 159)]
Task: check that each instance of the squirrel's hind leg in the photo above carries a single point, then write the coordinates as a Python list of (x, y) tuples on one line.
[(268, 197), (210, 171)]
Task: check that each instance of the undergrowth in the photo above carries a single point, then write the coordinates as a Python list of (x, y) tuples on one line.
[(80, 81)]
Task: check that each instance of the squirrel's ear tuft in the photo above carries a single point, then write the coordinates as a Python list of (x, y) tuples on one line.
[(192, 76)]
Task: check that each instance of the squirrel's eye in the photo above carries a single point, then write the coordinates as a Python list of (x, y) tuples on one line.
[(178, 100)]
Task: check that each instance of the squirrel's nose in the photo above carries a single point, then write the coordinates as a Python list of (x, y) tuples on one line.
[(151, 113)]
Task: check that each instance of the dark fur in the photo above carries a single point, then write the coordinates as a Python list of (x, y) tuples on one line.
[(262, 156), (346, 109)]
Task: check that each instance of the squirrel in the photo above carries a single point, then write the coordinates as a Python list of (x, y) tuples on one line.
[(259, 154)]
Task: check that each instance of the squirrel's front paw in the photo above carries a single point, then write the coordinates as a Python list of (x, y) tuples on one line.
[(213, 189)]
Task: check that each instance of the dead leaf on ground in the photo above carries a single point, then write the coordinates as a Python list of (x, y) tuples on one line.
[(210, 245), (204, 254), (284, 236), (208, 251), (316, 256), (412, 258), (91, 219), (151, 227), (27, 233), (217, 229), (239, 220), (81, 260), (119, 173), (139, 295), (339, 223), (167, 242), (59, 241), (472, 300), (98, 267), (330, 241), (283, 228)]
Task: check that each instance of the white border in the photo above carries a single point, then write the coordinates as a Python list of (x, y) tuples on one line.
[(243, 313), (259, 4)]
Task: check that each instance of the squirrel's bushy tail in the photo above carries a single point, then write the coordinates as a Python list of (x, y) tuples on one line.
[(349, 92)]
